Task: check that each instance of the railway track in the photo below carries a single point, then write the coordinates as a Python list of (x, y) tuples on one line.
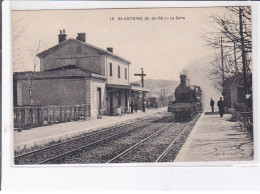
[(127, 156), (56, 151), (107, 150), (139, 143), (174, 147), (170, 146), (75, 149)]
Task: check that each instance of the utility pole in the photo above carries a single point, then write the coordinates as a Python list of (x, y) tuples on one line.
[(163, 92), (243, 49), (142, 82), (222, 65), (235, 59)]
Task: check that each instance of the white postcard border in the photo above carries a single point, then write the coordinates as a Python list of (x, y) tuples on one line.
[(33, 177)]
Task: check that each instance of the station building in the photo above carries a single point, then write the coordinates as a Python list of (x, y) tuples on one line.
[(235, 92), (74, 72)]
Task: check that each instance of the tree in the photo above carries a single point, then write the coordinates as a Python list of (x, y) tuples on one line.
[(17, 31), (18, 28), (34, 50), (232, 34)]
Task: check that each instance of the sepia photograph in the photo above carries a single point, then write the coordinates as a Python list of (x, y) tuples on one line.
[(133, 85)]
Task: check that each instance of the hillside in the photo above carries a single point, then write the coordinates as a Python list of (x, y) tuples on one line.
[(155, 86)]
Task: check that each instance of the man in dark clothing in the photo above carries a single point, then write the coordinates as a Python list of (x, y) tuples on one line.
[(132, 107), (212, 105), (156, 105), (136, 106), (221, 107), (143, 106)]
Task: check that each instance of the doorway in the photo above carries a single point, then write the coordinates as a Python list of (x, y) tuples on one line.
[(99, 104), (111, 103), (126, 99)]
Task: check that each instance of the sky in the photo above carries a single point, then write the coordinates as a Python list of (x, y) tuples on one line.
[(162, 47)]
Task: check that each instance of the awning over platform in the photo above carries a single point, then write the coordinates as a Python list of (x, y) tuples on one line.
[(127, 87), (115, 86)]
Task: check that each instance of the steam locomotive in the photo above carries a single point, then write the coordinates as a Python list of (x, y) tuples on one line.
[(187, 101)]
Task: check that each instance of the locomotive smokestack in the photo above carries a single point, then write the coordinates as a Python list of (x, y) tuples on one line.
[(183, 80)]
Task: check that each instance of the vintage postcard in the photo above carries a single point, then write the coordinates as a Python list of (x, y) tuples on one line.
[(146, 85)]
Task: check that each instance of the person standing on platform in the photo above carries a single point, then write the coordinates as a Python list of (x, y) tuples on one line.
[(143, 106), (132, 107), (136, 106), (221, 107), (212, 105), (148, 105)]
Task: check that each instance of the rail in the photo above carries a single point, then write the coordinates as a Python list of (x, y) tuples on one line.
[(85, 143), (28, 117)]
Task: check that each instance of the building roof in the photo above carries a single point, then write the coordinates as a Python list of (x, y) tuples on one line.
[(57, 74), (64, 43)]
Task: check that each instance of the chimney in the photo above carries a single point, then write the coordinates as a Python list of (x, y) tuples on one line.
[(183, 80), (110, 49), (81, 37), (62, 36)]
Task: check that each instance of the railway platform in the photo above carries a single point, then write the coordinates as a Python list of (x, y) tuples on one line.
[(45, 134), (215, 138)]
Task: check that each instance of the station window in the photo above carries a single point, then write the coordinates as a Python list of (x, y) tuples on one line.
[(118, 71), (125, 73), (111, 69)]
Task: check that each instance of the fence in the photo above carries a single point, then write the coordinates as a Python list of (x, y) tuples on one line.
[(242, 116), (27, 117)]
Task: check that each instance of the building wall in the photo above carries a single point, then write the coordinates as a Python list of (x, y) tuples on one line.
[(63, 92), (88, 90), (237, 95), (74, 54), (114, 78), (241, 98), (19, 93), (52, 92), (95, 84), (89, 59), (227, 98)]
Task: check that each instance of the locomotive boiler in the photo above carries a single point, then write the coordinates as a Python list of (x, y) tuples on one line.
[(187, 100)]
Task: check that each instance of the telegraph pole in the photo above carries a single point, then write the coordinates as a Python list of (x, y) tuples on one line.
[(163, 92), (142, 82), (243, 49), (222, 63), (235, 58)]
